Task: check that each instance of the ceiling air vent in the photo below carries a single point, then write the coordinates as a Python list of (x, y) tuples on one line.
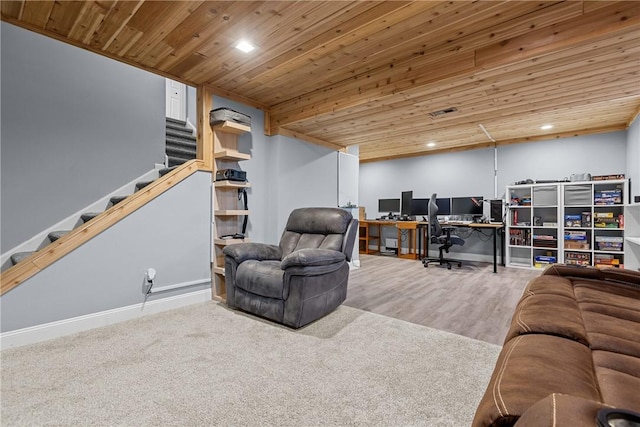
[(442, 112)]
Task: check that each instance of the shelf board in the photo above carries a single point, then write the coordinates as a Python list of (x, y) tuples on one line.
[(218, 270), (231, 212), (226, 242), (231, 127), (231, 184), (634, 240), (231, 155)]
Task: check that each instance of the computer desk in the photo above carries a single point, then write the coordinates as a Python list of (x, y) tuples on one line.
[(413, 226), (366, 237)]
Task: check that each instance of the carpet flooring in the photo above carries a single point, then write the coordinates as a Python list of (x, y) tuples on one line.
[(207, 365)]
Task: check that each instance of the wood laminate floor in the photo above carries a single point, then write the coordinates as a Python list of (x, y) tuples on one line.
[(471, 301)]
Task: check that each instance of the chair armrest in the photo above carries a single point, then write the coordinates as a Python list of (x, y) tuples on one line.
[(259, 251), (312, 258)]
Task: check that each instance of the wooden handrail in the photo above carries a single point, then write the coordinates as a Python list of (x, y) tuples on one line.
[(39, 260)]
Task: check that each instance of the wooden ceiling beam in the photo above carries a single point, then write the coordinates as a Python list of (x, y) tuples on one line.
[(311, 139)]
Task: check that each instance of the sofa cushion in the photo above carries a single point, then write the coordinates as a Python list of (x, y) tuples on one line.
[(619, 379), (612, 333), (551, 314), (264, 278), (614, 295), (531, 367)]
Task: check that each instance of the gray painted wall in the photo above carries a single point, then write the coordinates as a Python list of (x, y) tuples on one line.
[(471, 173), (75, 126), (170, 234), (599, 154)]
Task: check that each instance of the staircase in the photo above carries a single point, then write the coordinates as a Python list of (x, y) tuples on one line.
[(181, 143), (180, 148), (84, 218)]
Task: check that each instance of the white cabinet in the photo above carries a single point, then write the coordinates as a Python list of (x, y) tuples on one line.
[(632, 236), (579, 223)]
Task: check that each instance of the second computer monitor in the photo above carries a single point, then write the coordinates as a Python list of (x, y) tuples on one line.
[(420, 207), (444, 206), (391, 206), (467, 206)]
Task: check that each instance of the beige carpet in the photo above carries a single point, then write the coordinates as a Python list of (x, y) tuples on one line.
[(207, 365)]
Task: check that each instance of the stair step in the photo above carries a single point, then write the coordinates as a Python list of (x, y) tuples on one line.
[(19, 256), (179, 142), (180, 153), (165, 171), (175, 121), (55, 235), (89, 216), (174, 161), (179, 131), (140, 185), (117, 199)]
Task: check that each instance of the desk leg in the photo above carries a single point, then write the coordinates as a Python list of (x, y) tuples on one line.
[(502, 246), (495, 256)]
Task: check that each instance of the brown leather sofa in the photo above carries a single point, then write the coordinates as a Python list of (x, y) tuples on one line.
[(573, 349)]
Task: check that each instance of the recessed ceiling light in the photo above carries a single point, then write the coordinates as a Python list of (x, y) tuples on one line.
[(431, 144), (546, 127), (245, 46)]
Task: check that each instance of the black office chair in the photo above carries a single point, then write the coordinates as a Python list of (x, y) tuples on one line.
[(440, 235)]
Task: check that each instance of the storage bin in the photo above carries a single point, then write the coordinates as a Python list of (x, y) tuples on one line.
[(578, 195), (545, 196)]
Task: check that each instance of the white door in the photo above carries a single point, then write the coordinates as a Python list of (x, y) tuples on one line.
[(176, 94)]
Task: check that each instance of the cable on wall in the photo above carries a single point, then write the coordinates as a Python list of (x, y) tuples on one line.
[(495, 160)]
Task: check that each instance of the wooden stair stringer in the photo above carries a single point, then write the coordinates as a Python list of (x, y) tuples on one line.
[(46, 256)]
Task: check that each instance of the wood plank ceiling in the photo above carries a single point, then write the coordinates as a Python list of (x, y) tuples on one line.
[(372, 73)]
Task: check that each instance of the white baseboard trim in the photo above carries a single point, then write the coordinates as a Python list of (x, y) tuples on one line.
[(60, 328)]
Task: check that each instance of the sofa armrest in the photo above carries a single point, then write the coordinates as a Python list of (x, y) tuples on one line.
[(257, 251), (561, 410), (312, 258)]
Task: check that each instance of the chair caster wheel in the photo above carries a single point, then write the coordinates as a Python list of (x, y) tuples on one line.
[(448, 267)]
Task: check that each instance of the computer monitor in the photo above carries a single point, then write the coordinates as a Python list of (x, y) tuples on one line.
[(467, 206), (444, 206), (389, 206), (420, 207), (405, 207)]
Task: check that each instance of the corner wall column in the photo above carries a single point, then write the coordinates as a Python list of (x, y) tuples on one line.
[(204, 143)]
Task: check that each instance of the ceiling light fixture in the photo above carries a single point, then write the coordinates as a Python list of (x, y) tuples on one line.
[(546, 127), (245, 46)]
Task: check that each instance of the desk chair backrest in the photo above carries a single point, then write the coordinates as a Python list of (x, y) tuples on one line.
[(435, 229)]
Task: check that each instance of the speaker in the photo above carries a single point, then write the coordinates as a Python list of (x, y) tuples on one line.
[(496, 210)]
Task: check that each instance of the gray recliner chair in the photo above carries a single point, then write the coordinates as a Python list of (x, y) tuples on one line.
[(301, 279)]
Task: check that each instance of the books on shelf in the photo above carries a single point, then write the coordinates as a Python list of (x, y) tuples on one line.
[(577, 258), (572, 220), (607, 177), (608, 220), (576, 239), (540, 261), (607, 260), (519, 237), (545, 241), (607, 197), (609, 243)]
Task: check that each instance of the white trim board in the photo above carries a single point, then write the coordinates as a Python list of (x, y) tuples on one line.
[(60, 328)]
